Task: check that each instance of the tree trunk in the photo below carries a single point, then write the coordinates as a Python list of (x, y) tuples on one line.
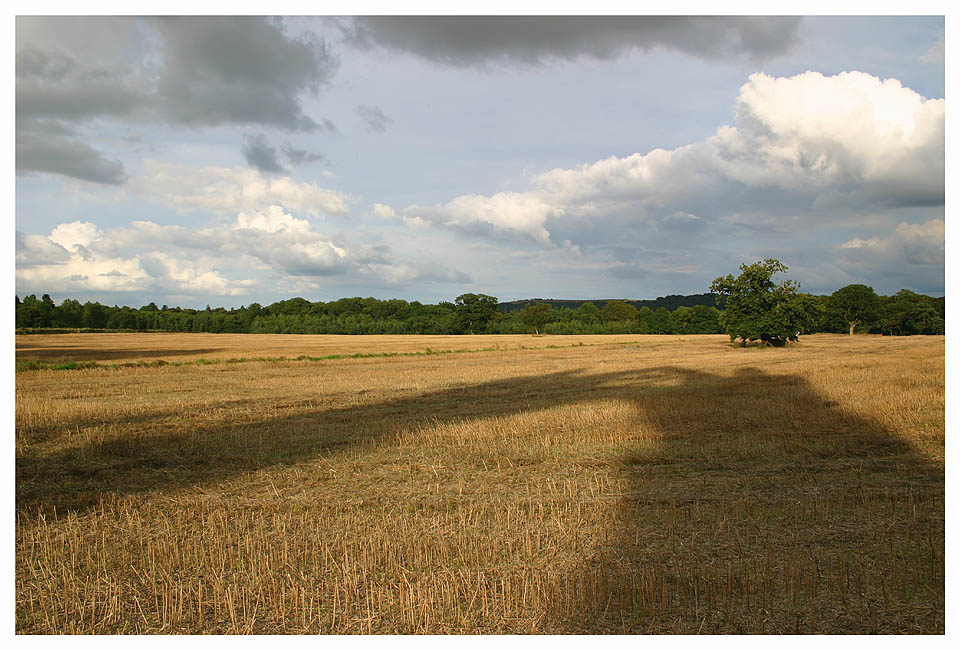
[(852, 325)]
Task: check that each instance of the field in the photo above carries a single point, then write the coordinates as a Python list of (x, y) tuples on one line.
[(630, 484)]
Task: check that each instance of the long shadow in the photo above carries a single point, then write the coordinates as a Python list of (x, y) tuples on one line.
[(74, 479), (786, 513), (740, 467)]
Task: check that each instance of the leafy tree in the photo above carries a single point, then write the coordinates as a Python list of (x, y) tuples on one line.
[(587, 313), (907, 313), (473, 311), (536, 316), (704, 320), (94, 315), (617, 310), (659, 321), (681, 320), (757, 308), (28, 311), (854, 304)]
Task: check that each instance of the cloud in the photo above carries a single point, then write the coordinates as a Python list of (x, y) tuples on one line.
[(922, 243), (911, 256), (384, 211), (44, 146), (52, 84), (37, 249), (273, 220), (509, 213), (373, 119), (808, 147), (241, 70), (257, 251), (76, 236), (936, 53), (258, 153), (919, 244), (224, 190), (539, 40), (301, 156), (193, 71)]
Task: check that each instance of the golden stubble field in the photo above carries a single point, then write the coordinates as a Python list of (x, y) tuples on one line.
[(632, 484)]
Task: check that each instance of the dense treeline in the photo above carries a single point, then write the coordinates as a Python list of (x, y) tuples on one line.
[(670, 302), (903, 313)]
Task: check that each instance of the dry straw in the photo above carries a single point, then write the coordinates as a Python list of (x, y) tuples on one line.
[(631, 484)]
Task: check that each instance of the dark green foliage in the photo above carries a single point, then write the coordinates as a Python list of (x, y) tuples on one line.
[(853, 305), (659, 322), (904, 313), (669, 303), (907, 312), (758, 309), (618, 310), (473, 312), (536, 316), (587, 313)]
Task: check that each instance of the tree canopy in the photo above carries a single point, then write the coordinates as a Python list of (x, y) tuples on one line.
[(474, 310), (905, 313), (536, 316), (854, 304), (760, 309), (616, 310)]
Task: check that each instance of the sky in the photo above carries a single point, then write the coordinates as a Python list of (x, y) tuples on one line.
[(230, 160)]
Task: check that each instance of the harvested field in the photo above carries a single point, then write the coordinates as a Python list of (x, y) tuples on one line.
[(631, 484), (131, 348)]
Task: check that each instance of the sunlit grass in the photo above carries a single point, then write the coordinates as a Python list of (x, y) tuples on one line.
[(634, 484)]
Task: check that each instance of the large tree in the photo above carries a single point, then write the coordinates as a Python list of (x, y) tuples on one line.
[(536, 316), (852, 305), (473, 311), (760, 309), (618, 310)]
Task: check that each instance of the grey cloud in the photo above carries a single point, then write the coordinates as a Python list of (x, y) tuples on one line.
[(326, 125), (54, 85), (57, 153), (536, 40), (373, 118), (154, 267), (32, 250), (261, 155), (239, 70), (195, 71), (201, 71), (301, 156)]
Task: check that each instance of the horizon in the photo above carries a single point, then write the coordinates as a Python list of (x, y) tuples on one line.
[(450, 300)]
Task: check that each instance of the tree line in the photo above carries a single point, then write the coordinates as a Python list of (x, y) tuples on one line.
[(758, 308), (670, 302), (855, 307)]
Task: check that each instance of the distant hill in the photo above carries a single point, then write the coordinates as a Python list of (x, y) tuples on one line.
[(670, 302)]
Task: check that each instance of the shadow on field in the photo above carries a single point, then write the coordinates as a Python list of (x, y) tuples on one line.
[(760, 506)]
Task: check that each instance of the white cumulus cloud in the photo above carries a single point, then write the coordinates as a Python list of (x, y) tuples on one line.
[(385, 211), (226, 190), (804, 143), (258, 251), (272, 219), (505, 212)]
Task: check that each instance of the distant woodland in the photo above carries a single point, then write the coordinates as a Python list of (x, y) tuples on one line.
[(903, 313)]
